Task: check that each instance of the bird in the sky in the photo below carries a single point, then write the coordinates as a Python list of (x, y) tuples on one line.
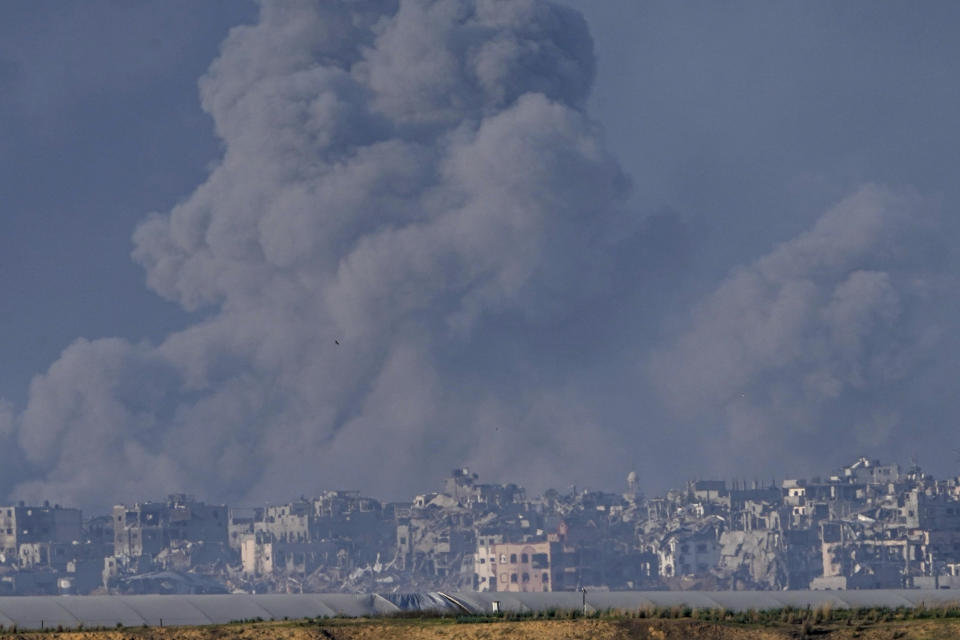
[(336, 342)]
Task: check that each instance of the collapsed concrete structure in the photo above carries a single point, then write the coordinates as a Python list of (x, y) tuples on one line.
[(181, 534), (867, 525)]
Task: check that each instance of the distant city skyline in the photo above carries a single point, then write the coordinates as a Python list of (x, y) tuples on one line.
[(867, 525), (437, 486)]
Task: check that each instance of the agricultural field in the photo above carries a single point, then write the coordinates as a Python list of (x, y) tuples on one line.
[(656, 624)]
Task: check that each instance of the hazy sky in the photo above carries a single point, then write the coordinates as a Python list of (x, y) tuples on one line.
[(701, 239)]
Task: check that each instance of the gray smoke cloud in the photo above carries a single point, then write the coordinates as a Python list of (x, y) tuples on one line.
[(407, 179), (416, 253), (814, 343)]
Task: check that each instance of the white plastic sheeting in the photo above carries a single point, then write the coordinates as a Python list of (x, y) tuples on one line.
[(33, 612), (734, 600)]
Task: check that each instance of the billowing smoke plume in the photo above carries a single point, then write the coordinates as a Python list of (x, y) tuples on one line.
[(811, 349), (414, 255), (403, 184)]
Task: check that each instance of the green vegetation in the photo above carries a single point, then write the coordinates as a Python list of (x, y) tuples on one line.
[(825, 614), (796, 622)]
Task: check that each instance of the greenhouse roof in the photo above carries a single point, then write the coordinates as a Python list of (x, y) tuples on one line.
[(30, 612)]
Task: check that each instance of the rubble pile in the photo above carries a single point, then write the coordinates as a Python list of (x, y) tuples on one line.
[(866, 526)]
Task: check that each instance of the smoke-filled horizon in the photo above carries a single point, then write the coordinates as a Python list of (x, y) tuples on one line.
[(418, 250)]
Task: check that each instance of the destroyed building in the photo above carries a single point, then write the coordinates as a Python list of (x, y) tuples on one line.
[(180, 534), (43, 550), (23, 524), (314, 543), (866, 525)]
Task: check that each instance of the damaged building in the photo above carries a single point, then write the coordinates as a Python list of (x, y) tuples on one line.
[(866, 525), (180, 534)]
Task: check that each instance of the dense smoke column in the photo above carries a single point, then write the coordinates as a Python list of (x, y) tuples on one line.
[(399, 181), (414, 254), (822, 346)]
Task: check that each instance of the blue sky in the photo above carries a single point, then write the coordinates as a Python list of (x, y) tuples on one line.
[(740, 126), (101, 125)]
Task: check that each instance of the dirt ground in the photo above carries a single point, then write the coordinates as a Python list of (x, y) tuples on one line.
[(582, 629)]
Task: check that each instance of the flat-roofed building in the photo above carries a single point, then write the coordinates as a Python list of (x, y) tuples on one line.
[(517, 567), (22, 524)]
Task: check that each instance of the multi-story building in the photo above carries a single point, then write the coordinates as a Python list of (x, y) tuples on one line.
[(23, 524), (690, 553), (241, 523), (516, 567), (293, 522), (262, 555), (147, 528)]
